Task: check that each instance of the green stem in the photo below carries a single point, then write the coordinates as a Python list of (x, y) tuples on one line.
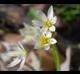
[(56, 57)]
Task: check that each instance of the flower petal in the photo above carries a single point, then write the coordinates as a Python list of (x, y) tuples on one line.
[(21, 32), (20, 45), (53, 41), (14, 63), (52, 29), (37, 46), (36, 35), (15, 47), (36, 23), (54, 19), (49, 34), (5, 58), (50, 12), (43, 30), (47, 48), (25, 25), (41, 15), (9, 54), (6, 45), (22, 63)]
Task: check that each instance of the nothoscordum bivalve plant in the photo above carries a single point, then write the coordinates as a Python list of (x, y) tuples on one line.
[(20, 55), (44, 40), (47, 22), (28, 32), (41, 33), (21, 58), (44, 37)]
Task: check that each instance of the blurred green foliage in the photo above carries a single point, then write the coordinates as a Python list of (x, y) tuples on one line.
[(32, 13), (68, 12)]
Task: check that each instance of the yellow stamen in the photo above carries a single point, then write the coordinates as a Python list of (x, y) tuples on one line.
[(48, 23), (43, 40)]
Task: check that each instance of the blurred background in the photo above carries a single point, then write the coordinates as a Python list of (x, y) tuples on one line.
[(67, 27)]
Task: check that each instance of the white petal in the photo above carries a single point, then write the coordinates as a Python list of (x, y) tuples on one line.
[(22, 63), (25, 25), (47, 48), (53, 41), (6, 45), (14, 63), (37, 46), (37, 34), (50, 12), (41, 15), (54, 19), (20, 45), (5, 58), (21, 32), (14, 47), (18, 48), (49, 34), (36, 23), (52, 29), (9, 54), (43, 30)]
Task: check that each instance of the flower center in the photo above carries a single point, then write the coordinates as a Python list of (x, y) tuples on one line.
[(43, 40), (48, 23)]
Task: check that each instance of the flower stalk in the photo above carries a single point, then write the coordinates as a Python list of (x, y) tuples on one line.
[(56, 57)]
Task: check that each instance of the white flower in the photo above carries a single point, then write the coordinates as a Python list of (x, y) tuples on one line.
[(44, 40), (28, 32), (46, 21), (19, 54)]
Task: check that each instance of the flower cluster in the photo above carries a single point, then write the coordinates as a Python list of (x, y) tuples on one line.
[(18, 54), (45, 26), (41, 33)]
